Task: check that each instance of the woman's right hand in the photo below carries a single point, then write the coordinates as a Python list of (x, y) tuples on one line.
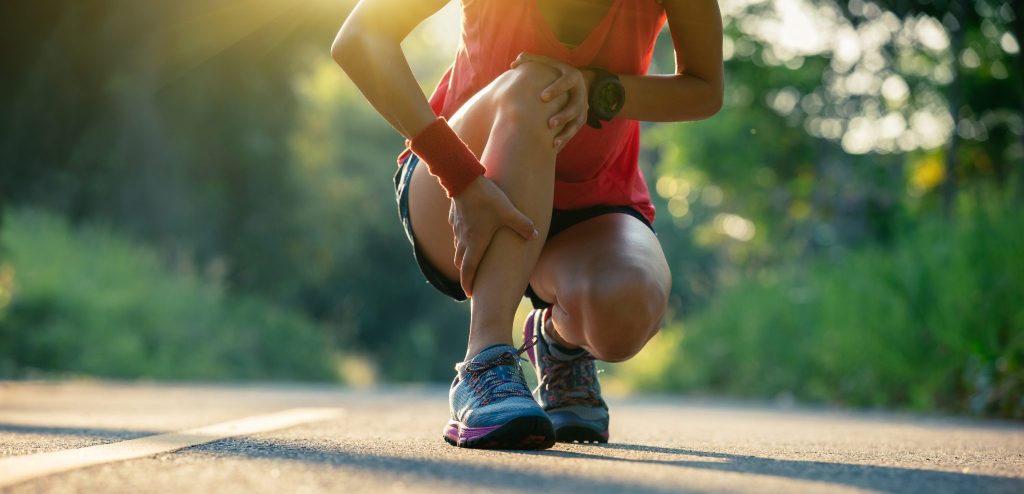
[(476, 214)]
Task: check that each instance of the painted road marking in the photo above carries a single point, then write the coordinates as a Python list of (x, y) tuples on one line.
[(21, 468)]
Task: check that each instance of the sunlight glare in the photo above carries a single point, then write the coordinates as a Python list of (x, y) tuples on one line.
[(931, 34), (735, 226), (895, 89), (1009, 44)]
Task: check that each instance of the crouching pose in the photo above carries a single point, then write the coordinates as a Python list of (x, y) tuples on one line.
[(520, 176)]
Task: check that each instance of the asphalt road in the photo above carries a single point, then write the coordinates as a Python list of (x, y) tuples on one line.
[(390, 441)]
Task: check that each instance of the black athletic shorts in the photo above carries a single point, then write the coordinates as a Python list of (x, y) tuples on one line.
[(561, 219)]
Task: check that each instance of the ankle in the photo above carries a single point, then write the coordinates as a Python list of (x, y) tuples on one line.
[(478, 345)]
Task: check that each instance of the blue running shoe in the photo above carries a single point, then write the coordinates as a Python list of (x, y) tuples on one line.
[(567, 387), (492, 407)]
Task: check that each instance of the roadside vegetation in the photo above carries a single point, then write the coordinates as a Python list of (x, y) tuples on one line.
[(933, 322), (86, 301)]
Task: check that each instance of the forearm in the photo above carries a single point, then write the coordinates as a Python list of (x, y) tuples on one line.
[(694, 92), (670, 98), (378, 67)]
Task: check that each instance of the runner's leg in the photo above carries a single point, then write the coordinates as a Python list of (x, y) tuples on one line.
[(609, 282), (506, 125)]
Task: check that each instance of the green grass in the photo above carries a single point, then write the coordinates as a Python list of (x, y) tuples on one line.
[(934, 322), (88, 301)]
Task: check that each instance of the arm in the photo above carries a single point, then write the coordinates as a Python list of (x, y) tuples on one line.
[(368, 48), (694, 92)]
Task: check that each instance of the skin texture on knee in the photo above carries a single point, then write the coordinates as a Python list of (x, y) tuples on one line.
[(506, 102), (609, 281), (517, 100), (621, 312)]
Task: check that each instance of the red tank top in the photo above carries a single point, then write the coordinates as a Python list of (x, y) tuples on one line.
[(597, 166)]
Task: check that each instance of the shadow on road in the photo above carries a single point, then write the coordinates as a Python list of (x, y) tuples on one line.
[(457, 469), (879, 478)]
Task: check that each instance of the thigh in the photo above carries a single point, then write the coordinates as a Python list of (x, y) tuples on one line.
[(428, 203), (473, 122), (610, 250)]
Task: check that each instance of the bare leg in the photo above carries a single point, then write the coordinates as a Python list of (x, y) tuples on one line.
[(609, 283), (505, 124)]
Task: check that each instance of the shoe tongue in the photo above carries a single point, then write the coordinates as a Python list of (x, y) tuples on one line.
[(486, 355), (492, 352)]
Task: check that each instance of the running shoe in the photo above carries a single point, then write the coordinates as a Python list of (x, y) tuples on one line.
[(491, 405), (567, 387)]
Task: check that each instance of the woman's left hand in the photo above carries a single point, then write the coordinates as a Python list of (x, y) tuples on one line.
[(573, 81)]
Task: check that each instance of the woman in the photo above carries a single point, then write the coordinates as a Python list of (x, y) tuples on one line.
[(529, 147)]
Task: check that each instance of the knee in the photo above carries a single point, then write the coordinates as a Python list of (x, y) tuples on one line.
[(518, 96), (622, 312)]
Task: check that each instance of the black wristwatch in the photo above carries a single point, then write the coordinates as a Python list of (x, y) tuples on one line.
[(606, 97)]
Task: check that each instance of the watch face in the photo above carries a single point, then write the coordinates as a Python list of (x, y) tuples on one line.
[(608, 97)]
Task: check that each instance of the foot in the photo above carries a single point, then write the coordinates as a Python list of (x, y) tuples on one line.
[(491, 405), (567, 387)]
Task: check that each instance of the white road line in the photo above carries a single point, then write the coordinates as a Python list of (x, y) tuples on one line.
[(21, 468)]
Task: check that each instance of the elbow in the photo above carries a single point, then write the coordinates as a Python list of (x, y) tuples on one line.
[(698, 98), (709, 106), (715, 96), (342, 47), (714, 103), (349, 45), (337, 51)]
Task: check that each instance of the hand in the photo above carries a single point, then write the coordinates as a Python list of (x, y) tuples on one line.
[(573, 81), (475, 215)]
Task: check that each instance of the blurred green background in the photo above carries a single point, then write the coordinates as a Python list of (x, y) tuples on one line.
[(193, 190)]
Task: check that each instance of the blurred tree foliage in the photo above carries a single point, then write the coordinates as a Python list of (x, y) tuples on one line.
[(89, 302), (932, 321), (843, 126), (849, 127), (220, 132)]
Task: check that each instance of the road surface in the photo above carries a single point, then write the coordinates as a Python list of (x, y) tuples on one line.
[(111, 437)]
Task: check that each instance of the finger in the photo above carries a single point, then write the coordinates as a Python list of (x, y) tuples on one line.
[(460, 254), (567, 114), (562, 85), (566, 134), (530, 57), (579, 97), (520, 223), (569, 131), (578, 104)]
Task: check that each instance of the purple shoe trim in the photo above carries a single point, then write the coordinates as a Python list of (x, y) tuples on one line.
[(528, 335), (460, 433)]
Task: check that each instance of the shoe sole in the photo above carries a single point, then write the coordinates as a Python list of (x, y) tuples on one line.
[(530, 432), (580, 434)]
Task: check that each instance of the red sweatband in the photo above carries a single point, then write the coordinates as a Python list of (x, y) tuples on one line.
[(447, 157)]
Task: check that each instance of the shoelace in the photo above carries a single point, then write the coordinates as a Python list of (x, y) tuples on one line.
[(505, 381), (570, 382)]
